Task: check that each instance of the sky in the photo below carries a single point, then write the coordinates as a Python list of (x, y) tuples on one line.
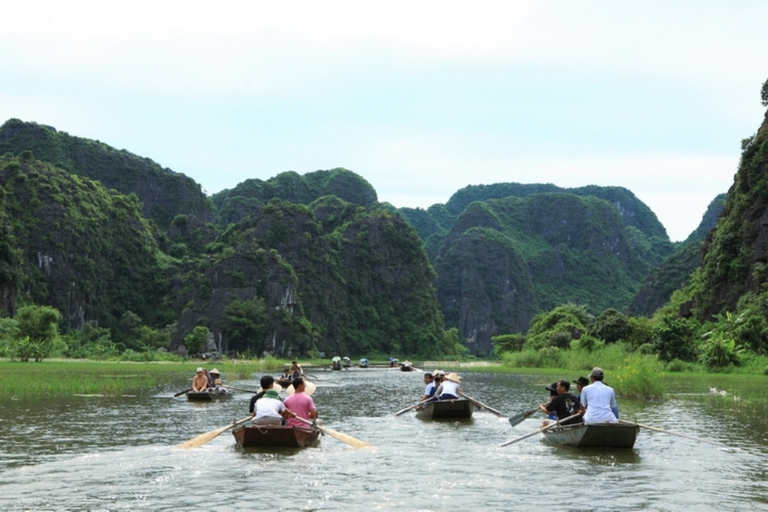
[(420, 98)]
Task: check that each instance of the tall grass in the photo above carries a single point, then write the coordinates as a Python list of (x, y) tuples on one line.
[(630, 374), (66, 378)]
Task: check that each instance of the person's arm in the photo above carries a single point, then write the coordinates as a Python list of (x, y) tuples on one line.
[(287, 413)]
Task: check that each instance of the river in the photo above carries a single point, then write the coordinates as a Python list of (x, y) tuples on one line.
[(118, 453)]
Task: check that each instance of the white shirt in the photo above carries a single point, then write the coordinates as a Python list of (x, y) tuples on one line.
[(448, 388), (598, 399), (269, 408)]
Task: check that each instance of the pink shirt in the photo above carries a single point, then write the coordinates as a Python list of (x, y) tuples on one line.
[(301, 404)]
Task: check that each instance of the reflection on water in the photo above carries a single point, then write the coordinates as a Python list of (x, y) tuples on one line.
[(96, 453)]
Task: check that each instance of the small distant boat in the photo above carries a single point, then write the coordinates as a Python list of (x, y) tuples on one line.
[(336, 363), (273, 436), (363, 363), (446, 409), (345, 362), (594, 435), (208, 396), (407, 366)]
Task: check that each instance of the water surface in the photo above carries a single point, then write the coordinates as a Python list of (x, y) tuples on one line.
[(117, 453)]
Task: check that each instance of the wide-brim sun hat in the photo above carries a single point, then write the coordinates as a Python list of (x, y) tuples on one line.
[(453, 377), (582, 380), (215, 372)]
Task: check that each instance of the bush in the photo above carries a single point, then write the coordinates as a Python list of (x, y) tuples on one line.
[(639, 377)]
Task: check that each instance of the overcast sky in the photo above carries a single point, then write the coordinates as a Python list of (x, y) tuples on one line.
[(419, 98)]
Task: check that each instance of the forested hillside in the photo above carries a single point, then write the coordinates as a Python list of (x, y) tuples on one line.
[(299, 264), (163, 193)]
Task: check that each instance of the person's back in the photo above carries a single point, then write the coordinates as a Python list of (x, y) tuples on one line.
[(301, 404), (599, 400)]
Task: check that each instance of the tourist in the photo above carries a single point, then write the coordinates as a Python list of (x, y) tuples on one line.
[(599, 400), (286, 376), (296, 370), (257, 396), (200, 382), (449, 388), (581, 382), (552, 388), (563, 404), (429, 386), (301, 404), (269, 410)]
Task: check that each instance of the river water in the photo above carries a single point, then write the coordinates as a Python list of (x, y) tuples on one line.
[(118, 453)]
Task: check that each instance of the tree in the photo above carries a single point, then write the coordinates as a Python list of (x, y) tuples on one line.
[(196, 340), (38, 329), (764, 94), (246, 324)]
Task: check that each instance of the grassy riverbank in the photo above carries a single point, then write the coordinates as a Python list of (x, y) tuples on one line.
[(66, 378)]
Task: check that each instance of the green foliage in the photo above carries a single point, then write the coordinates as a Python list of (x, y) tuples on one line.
[(246, 324), (196, 340), (639, 377), (90, 342), (163, 192), (719, 349), (508, 343), (764, 94), (611, 326), (675, 338), (558, 327), (37, 331)]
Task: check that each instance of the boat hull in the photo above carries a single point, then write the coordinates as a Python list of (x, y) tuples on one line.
[(595, 435), (205, 396), (275, 436), (446, 410)]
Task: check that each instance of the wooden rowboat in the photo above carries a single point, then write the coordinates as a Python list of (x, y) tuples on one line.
[(272, 436), (594, 435), (446, 410), (206, 396)]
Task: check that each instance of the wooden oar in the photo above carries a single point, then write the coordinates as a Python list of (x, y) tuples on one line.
[(483, 406), (239, 389), (182, 393), (208, 436), (514, 420), (542, 429), (401, 411), (344, 438), (716, 443)]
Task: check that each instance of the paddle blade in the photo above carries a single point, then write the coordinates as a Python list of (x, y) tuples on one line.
[(514, 420), (208, 436), (344, 438)]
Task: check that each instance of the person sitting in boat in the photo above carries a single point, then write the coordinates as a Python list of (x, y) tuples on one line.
[(296, 370), (257, 396), (270, 410), (563, 405), (200, 382), (429, 386), (449, 388), (215, 385), (552, 388), (599, 400), (301, 404), (581, 382), (286, 376)]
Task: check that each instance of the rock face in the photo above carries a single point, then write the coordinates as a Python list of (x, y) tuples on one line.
[(163, 193), (84, 250), (735, 253), (506, 260), (675, 272)]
